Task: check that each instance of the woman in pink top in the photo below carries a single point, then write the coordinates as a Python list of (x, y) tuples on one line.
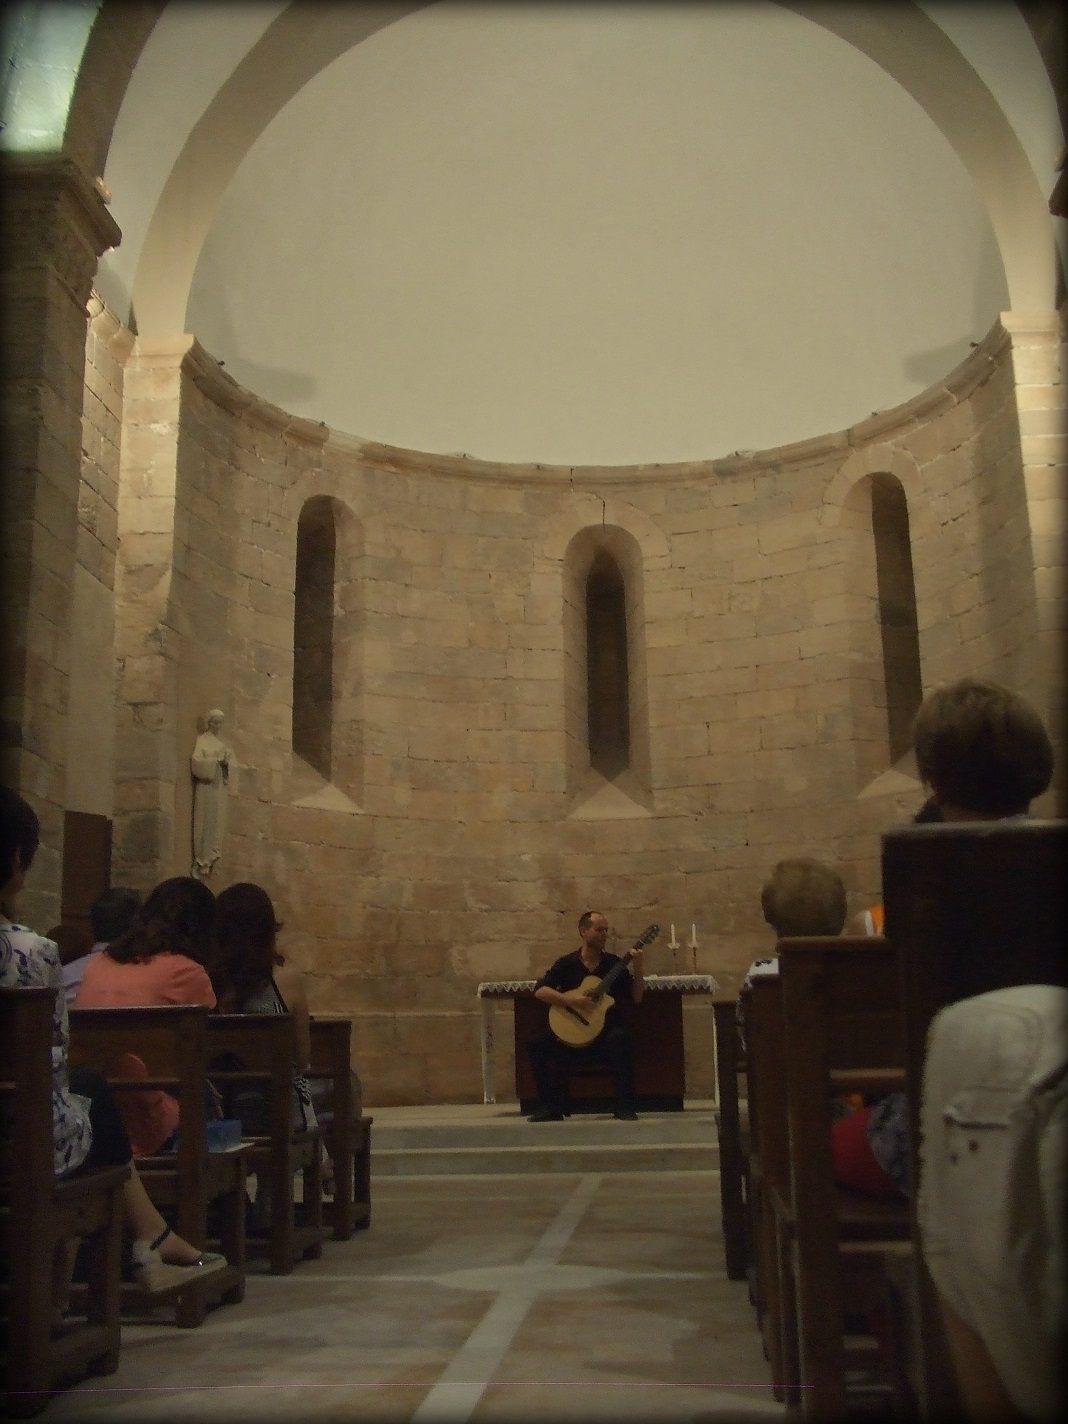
[(158, 960)]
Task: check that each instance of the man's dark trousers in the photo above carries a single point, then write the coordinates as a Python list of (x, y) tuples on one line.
[(551, 1060)]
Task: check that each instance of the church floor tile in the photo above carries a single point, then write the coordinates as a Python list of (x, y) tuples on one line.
[(553, 1297)]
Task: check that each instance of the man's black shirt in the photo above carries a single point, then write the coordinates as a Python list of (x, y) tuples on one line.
[(569, 971)]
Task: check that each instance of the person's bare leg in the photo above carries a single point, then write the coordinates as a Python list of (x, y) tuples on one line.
[(329, 1181), (145, 1223)]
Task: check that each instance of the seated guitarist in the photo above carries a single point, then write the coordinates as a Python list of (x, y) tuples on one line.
[(550, 1058)]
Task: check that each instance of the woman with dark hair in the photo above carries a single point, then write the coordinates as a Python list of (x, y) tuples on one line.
[(177, 920), (159, 959), (87, 1129), (250, 976)]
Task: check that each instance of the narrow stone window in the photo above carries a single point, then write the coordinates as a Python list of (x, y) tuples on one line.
[(607, 672), (313, 636), (897, 610)]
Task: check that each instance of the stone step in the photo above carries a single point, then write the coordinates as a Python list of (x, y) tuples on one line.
[(583, 1129), (543, 1157), (490, 1139)]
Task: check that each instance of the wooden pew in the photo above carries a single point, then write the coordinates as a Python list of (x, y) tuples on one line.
[(348, 1140), (172, 1043), (843, 1033), (970, 907), (266, 1047), (762, 1027), (733, 1144), (39, 1211)]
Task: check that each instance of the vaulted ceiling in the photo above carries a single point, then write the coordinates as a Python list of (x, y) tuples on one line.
[(584, 233)]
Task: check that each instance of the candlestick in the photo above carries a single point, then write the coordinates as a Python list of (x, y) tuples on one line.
[(673, 945)]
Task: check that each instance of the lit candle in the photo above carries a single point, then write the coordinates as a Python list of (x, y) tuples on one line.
[(673, 942)]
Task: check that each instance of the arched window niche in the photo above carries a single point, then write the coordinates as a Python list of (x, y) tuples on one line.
[(606, 699), (898, 626), (327, 727), (886, 678)]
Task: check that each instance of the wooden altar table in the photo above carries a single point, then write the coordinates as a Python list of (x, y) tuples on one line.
[(659, 1065)]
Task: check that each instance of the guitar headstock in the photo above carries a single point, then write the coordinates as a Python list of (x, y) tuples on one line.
[(646, 937)]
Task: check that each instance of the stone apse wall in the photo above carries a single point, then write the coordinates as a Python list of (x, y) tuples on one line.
[(440, 823)]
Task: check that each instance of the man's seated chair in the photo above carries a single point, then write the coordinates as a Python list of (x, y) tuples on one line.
[(256, 1052), (346, 1131), (171, 1042), (39, 1212), (659, 1059)]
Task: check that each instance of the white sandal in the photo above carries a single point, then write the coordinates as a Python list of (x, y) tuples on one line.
[(157, 1275)]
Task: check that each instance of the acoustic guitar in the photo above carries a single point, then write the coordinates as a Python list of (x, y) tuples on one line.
[(579, 1024)]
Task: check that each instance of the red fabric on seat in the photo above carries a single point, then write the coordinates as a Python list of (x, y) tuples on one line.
[(855, 1165)]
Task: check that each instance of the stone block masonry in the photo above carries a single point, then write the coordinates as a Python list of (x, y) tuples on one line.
[(449, 839)]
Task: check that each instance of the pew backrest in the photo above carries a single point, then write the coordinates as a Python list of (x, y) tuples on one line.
[(842, 1003), (27, 1162), (843, 1035), (261, 1050), (38, 1211), (171, 1041), (331, 1050), (970, 907), (730, 1064), (973, 906), (765, 1049)]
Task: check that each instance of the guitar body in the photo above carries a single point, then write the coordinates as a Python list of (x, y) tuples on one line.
[(580, 1024)]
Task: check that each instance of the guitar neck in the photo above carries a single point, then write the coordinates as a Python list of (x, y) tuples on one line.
[(614, 973)]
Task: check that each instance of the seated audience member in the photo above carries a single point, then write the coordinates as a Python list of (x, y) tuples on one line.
[(88, 1132), (803, 897), (159, 959), (72, 941), (982, 751), (983, 754), (992, 1194), (250, 976), (109, 914)]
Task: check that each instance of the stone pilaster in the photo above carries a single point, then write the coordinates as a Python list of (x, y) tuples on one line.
[(1038, 363), (54, 228), (148, 635)]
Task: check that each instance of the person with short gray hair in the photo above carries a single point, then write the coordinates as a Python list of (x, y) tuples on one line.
[(804, 897), (109, 914)]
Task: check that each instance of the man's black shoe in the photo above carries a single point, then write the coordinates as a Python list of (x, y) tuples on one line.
[(546, 1115), (626, 1114)]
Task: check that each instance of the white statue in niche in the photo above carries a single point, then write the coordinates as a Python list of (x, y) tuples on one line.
[(214, 768)]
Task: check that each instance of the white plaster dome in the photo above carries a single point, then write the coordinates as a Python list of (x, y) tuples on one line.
[(569, 234)]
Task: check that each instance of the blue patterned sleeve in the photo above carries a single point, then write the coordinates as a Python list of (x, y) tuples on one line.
[(29, 961)]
